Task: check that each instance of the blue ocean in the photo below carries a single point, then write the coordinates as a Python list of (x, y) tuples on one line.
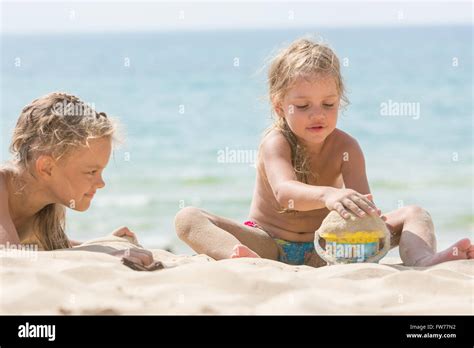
[(186, 98)]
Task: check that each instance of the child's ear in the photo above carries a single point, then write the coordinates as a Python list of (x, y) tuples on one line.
[(278, 108), (44, 166)]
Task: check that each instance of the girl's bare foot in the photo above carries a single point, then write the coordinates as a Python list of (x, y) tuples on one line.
[(241, 250), (461, 250)]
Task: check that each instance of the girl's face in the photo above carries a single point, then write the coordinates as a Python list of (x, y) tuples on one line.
[(311, 109), (75, 179)]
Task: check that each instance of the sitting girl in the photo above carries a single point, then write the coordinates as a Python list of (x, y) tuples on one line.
[(61, 147), (307, 167)]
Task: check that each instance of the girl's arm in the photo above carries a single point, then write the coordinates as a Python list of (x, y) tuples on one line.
[(292, 194), (289, 192), (74, 243), (8, 232)]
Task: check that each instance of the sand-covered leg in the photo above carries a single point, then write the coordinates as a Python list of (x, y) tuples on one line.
[(222, 238), (413, 229)]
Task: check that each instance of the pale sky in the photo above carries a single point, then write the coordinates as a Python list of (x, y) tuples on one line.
[(85, 16)]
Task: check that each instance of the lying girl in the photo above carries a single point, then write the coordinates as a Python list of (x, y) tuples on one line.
[(307, 167), (60, 148)]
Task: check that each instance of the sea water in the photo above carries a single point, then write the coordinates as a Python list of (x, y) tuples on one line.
[(188, 99)]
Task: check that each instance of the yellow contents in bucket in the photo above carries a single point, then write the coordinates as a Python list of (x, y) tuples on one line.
[(358, 237)]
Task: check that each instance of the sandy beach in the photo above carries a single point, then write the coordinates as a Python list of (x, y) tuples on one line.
[(84, 282)]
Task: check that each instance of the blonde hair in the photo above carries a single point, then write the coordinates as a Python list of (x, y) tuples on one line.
[(303, 58), (54, 124)]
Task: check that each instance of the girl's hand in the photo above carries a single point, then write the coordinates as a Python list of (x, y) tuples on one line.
[(346, 200), (135, 258), (124, 232), (138, 259), (139, 256), (74, 243)]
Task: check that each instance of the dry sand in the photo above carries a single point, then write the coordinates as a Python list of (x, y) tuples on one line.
[(84, 282)]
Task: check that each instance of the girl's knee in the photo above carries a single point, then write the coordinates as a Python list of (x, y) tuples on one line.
[(185, 219), (417, 212)]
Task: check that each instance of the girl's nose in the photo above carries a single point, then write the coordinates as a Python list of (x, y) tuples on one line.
[(316, 112), (101, 182)]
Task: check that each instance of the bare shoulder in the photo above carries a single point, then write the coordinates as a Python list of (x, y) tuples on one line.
[(344, 143), (3, 182), (3, 188), (275, 142), (4, 210), (8, 232), (344, 139)]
